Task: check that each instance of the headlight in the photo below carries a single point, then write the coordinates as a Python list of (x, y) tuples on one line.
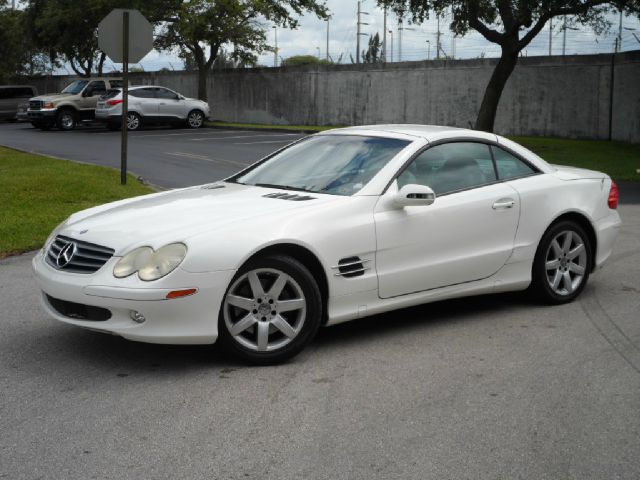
[(132, 262), (151, 265), (48, 105)]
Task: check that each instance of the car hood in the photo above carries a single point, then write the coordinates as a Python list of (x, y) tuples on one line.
[(54, 97), (177, 215)]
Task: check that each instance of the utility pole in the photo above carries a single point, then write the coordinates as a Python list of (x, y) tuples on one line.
[(275, 52), (550, 34), (358, 34), (428, 50), (400, 39), (327, 58), (391, 33), (564, 35), (384, 36), (620, 33), (438, 38)]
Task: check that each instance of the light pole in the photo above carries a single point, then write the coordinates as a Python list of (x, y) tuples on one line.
[(327, 41), (428, 50), (384, 36), (358, 33), (318, 49), (401, 28), (391, 33), (275, 53), (550, 34)]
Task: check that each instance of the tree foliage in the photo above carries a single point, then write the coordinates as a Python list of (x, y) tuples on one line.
[(299, 60), (512, 24), (200, 28), (373, 54), (68, 29), (18, 55)]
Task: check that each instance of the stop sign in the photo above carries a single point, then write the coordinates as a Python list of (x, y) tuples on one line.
[(110, 35)]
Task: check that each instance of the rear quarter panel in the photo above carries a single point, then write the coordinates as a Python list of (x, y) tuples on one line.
[(545, 197)]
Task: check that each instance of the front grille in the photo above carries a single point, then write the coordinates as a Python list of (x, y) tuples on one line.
[(81, 257), (35, 104), (78, 311)]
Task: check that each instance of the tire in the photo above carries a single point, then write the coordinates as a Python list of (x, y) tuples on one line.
[(36, 124), (113, 126), (134, 121), (66, 120), (561, 266), (195, 119), (254, 322)]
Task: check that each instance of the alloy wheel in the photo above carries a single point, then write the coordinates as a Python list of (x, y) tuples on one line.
[(133, 122), (264, 309), (67, 122), (195, 119), (566, 262)]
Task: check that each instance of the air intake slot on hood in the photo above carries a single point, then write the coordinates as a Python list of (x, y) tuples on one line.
[(212, 186), (351, 267), (289, 196)]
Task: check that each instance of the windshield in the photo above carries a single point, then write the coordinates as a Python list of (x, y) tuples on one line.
[(335, 164), (75, 87)]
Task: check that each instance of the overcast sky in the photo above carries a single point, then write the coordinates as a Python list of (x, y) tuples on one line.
[(418, 41)]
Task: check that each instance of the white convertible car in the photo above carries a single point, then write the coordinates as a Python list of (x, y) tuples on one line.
[(340, 225)]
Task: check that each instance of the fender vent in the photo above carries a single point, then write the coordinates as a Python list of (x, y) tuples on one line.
[(289, 196), (212, 186), (351, 267)]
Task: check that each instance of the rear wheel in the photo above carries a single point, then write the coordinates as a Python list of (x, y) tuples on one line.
[(271, 310), (134, 122), (195, 119), (66, 120), (562, 264)]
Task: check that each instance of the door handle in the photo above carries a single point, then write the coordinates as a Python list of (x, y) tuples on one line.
[(503, 203)]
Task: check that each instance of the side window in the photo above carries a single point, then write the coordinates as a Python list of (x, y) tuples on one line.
[(166, 94), (25, 92), (509, 166), (142, 93), (450, 167), (97, 88)]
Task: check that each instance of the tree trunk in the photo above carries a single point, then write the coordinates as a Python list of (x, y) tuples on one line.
[(493, 92), (203, 74)]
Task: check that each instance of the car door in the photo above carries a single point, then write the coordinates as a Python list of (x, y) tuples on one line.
[(170, 105), (91, 94), (467, 234), (144, 102)]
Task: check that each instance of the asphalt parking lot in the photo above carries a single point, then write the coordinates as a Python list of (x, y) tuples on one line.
[(491, 387), (166, 157)]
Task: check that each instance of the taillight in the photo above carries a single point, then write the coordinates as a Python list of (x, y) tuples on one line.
[(113, 102), (613, 196)]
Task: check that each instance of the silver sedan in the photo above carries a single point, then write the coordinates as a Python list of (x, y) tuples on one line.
[(150, 104)]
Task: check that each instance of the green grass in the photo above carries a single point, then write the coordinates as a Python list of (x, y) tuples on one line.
[(617, 159), (260, 126), (38, 193)]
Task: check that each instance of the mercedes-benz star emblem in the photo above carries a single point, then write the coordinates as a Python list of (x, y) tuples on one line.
[(65, 254)]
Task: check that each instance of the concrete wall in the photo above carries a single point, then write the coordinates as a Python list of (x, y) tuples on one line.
[(560, 96)]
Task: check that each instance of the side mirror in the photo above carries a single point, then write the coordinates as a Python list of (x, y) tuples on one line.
[(412, 195)]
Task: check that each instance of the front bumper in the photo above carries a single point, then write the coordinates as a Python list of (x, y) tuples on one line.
[(42, 116), (185, 320)]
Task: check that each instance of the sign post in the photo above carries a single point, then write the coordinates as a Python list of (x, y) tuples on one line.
[(125, 97), (125, 36)]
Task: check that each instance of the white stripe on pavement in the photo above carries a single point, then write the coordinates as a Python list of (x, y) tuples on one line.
[(207, 159)]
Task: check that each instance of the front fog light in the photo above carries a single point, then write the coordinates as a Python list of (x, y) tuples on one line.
[(137, 316)]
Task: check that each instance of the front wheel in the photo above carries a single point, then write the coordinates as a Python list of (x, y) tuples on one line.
[(66, 120), (195, 119), (271, 310), (562, 263)]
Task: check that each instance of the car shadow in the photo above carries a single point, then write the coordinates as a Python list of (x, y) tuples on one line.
[(104, 351)]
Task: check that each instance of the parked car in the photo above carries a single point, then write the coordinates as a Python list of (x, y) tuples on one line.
[(340, 225), (151, 104), (11, 96), (76, 103), (22, 114)]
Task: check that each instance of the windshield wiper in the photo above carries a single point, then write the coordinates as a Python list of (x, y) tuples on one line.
[(283, 187)]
